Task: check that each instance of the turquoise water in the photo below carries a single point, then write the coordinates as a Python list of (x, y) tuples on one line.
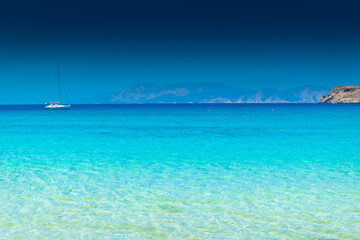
[(180, 172)]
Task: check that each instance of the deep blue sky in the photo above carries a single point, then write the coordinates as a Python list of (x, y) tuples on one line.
[(106, 45)]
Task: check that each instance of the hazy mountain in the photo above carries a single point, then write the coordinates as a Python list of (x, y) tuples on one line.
[(210, 93)]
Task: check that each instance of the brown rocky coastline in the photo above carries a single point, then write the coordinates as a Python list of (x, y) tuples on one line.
[(342, 94)]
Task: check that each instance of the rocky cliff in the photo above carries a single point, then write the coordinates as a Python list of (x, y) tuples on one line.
[(342, 94)]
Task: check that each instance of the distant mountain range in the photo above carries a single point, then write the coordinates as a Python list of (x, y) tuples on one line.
[(210, 93)]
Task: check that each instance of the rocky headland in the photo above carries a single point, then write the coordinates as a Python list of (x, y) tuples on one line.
[(342, 94)]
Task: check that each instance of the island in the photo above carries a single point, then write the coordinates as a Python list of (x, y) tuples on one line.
[(342, 94)]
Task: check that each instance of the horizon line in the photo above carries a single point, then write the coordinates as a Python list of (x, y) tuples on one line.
[(36, 104)]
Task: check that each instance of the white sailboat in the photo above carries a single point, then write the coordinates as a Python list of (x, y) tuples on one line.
[(58, 105)]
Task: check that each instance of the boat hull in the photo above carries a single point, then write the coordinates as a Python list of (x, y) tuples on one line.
[(57, 107)]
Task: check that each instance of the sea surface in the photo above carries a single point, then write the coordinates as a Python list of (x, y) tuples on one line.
[(180, 171)]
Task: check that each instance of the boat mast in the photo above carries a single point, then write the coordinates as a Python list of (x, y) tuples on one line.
[(59, 84)]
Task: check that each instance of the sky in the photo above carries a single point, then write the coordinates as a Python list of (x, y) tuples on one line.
[(104, 46)]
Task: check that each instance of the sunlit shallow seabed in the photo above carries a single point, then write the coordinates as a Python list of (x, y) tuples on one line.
[(180, 172)]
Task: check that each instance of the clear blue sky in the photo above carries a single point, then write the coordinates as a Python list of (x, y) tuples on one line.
[(103, 47)]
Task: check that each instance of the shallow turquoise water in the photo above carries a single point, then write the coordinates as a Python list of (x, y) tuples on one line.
[(180, 172)]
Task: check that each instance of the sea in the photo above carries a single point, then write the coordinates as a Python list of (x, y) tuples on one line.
[(180, 171)]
